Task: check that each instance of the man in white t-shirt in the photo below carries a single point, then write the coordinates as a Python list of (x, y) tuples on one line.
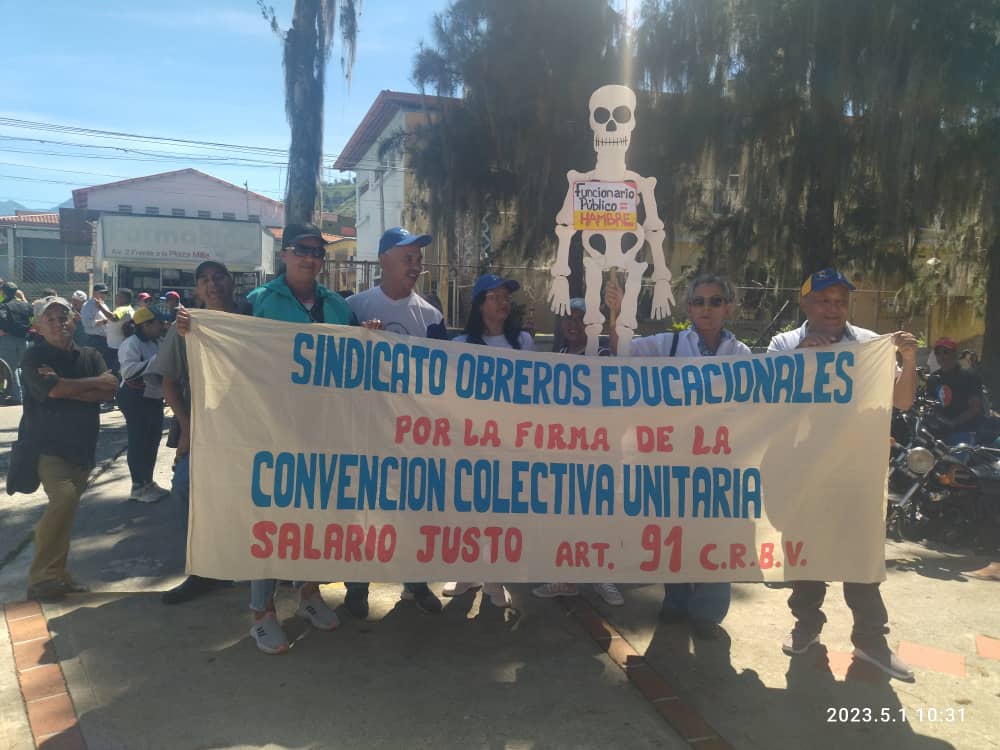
[(393, 302), (398, 309)]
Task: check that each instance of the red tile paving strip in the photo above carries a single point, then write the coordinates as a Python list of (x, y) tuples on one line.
[(935, 659), (51, 713), (678, 713), (988, 648)]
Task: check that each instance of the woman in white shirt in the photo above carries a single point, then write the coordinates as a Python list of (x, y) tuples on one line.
[(140, 398), (710, 300), (490, 323)]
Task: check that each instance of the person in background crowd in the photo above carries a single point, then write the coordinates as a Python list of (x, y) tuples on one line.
[(172, 302), (77, 300), (15, 322), (825, 300), (64, 385), (489, 324), (969, 360), (144, 299), (960, 392), (115, 328), (95, 316), (140, 398), (394, 306), (574, 341), (296, 297), (213, 291)]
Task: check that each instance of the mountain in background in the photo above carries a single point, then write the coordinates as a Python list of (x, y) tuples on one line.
[(7, 208)]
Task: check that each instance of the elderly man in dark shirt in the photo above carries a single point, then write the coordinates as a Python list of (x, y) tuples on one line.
[(63, 387)]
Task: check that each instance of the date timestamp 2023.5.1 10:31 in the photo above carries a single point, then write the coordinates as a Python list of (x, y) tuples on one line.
[(900, 714)]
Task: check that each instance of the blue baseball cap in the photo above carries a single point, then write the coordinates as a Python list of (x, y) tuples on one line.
[(398, 237), (490, 282), (823, 279)]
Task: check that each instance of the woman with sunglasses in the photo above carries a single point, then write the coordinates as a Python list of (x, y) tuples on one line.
[(490, 324), (296, 297), (710, 300)]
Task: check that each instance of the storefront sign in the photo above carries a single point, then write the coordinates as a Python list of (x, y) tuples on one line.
[(178, 242)]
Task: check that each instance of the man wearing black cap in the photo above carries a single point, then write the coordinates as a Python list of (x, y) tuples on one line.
[(295, 297), (213, 291), (395, 307), (15, 320), (825, 300)]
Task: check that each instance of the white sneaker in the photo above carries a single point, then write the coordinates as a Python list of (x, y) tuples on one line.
[(150, 493), (270, 638), (457, 588), (154, 487), (136, 494), (498, 594), (552, 590), (317, 612), (610, 594)]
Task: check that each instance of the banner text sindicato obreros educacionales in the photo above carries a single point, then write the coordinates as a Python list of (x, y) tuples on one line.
[(338, 453)]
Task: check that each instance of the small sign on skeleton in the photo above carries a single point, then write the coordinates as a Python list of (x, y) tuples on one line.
[(603, 204)]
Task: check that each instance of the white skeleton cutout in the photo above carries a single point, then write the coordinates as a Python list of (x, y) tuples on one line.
[(618, 238)]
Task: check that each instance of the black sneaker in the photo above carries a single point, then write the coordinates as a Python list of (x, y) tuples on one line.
[(423, 596), (356, 602), (884, 658), (188, 589), (799, 640)]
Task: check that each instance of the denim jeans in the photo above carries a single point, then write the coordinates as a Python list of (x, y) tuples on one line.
[(699, 601), (181, 484)]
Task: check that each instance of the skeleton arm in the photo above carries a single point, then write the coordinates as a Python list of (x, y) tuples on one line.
[(663, 296), (559, 292)]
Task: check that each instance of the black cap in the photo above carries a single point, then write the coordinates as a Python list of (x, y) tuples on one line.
[(101, 288), (292, 233), (210, 264), (9, 287)]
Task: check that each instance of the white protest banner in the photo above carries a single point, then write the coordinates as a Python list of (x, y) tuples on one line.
[(337, 453)]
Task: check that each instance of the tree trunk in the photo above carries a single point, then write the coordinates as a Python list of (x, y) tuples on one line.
[(305, 63)]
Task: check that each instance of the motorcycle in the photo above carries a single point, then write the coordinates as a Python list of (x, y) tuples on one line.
[(939, 492)]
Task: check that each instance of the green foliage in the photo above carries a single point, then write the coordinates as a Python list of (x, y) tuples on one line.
[(336, 194)]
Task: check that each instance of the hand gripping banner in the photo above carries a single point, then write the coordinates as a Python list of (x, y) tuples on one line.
[(328, 453)]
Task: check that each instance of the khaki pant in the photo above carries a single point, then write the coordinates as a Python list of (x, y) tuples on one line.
[(64, 483)]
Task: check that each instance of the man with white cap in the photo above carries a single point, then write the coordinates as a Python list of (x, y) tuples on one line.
[(63, 387), (394, 306)]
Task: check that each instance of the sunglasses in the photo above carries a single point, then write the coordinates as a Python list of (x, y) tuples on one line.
[(305, 251), (711, 301)]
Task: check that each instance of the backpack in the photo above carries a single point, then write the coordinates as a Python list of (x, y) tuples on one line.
[(15, 318)]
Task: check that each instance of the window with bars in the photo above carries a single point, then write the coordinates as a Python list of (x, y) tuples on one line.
[(229, 216), (204, 214), (177, 212), (124, 208), (152, 211)]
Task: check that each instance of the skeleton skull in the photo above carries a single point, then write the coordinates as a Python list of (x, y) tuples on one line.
[(612, 118)]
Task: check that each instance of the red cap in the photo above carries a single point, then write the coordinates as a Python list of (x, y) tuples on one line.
[(144, 296), (946, 343), (173, 295)]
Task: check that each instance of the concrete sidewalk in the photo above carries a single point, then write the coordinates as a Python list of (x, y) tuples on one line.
[(142, 675)]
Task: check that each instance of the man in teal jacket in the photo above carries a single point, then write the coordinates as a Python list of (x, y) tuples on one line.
[(295, 297)]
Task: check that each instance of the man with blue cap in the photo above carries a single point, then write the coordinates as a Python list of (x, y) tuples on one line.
[(825, 300), (395, 307)]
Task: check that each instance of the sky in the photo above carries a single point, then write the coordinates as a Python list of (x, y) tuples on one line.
[(206, 70)]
